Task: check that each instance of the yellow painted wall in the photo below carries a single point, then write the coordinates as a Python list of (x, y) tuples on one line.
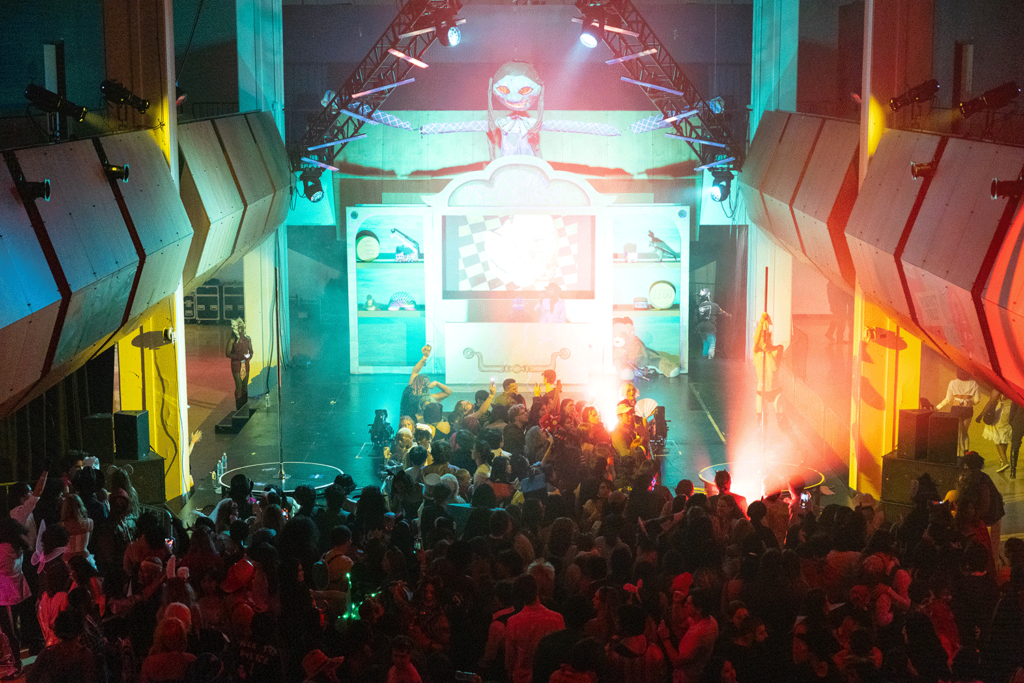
[(887, 370), (149, 377)]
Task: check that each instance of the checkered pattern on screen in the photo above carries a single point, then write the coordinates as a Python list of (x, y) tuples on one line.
[(477, 275)]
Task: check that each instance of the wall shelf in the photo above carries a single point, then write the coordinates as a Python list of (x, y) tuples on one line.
[(388, 264), (418, 313), (621, 310)]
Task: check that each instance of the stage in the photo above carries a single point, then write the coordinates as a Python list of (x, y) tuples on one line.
[(326, 411)]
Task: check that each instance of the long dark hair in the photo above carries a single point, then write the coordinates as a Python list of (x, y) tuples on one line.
[(11, 531)]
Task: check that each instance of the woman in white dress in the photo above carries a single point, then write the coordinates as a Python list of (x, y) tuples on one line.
[(998, 432)]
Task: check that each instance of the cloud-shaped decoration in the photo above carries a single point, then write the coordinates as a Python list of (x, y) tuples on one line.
[(519, 181)]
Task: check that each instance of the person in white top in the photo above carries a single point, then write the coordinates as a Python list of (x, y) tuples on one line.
[(26, 504), (551, 307), (961, 396)]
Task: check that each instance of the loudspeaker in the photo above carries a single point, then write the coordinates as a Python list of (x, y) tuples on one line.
[(147, 477), (131, 434), (98, 436), (942, 438), (897, 473), (912, 441)]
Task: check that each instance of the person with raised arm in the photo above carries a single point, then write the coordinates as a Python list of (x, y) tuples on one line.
[(417, 392)]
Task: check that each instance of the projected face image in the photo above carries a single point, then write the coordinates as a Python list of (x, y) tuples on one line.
[(505, 256), (524, 251)]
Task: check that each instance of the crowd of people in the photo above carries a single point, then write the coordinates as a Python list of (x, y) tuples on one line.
[(511, 543)]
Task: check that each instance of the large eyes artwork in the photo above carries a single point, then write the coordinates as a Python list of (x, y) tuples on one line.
[(525, 90), (504, 90)]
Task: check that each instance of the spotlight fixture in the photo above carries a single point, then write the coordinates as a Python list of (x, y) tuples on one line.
[(1007, 188), (922, 170), (995, 98), (179, 95), (52, 102), (919, 93), (116, 93), (716, 105), (447, 25), (32, 191), (311, 186), (448, 33), (590, 34), (721, 184), (115, 172)]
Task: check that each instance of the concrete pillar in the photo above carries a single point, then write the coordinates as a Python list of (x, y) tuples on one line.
[(886, 376), (766, 253), (774, 66), (772, 87), (139, 51), (261, 314), (260, 45), (261, 57)]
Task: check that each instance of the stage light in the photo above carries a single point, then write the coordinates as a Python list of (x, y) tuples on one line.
[(311, 186), (52, 102), (32, 191), (448, 33), (990, 99), (720, 185), (179, 95), (447, 26), (590, 34), (115, 172), (716, 105), (1007, 188), (922, 170), (919, 93), (115, 93)]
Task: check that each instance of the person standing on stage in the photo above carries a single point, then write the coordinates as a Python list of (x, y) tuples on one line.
[(766, 365), (839, 308), (551, 307), (707, 313), (1016, 436), (239, 350), (961, 396)]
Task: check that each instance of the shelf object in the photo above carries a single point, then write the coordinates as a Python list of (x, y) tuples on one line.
[(367, 246)]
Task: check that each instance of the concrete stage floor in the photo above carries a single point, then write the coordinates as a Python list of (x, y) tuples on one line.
[(325, 415)]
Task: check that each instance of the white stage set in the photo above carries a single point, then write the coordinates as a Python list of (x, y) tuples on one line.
[(465, 271)]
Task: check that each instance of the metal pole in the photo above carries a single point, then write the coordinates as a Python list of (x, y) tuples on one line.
[(281, 474), (764, 382)]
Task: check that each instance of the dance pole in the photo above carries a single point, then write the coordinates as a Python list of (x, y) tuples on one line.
[(764, 383), (281, 474)]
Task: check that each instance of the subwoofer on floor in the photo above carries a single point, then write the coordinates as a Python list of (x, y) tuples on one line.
[(131, 434), (147, 478), (942, 438), (897, 473)]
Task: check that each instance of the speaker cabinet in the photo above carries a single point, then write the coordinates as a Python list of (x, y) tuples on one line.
[(147, 478), (131, 434), (98, 436), (942, 438), (897, 473), (912, 442)]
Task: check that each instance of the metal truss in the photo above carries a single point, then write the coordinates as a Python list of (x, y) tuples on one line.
[(659, 69), (377, 70)]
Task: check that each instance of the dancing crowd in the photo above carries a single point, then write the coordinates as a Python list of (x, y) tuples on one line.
[(514, 540)]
